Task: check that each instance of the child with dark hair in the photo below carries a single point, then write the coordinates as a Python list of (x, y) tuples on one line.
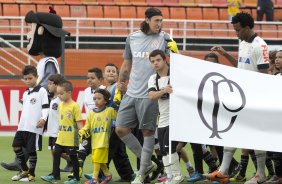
[(98, 124), (33, 118)]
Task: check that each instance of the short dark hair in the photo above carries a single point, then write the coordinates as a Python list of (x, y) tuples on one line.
[(157, 52), (29, 69), (67, 85), (98, 72), (112, 64), (244, 18), (105, 93), (56, 78), (211, 55)]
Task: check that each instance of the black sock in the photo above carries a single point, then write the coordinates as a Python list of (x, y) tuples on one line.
[(32, 163), (21, 159), (75, 166), (243, 165), (269, 166), (208, 158), (254, 158)]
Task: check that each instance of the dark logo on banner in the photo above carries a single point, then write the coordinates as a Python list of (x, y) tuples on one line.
[(210, 79)]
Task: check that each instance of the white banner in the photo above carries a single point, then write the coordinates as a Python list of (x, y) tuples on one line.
[(221, 105)]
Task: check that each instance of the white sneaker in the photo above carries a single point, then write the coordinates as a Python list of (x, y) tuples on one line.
[(137, 180), (256, 180), (177, 179), (20, 175)]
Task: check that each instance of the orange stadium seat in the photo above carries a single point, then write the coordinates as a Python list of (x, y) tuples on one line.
[(223, 15), (56, 1), (257, 29), (70, 26), (4, 26), (1, 10), (203, 2), (187, 3), (171, 2), (190, 29), (141, 11), (122, 2), (167, 26), (95, 11), (136, 25), (279, 31), (89, 2), (231, 31), (39, 2), (210, 14), (127, 12), (202, 29), (165, 12), (105, 2), (269, 31), (278, 3), (194, 13), (102, 27), (24, 8), (62, 10), (155, 2), (255, 14), (8, 1), (16, 26), (78, 11), (120, 28), (138, 2), (86, 27), (72, 2), (43, 7), (177, 13), (219, 30), (11, 10), (250, 3), (220, 3), (23, 1), (111, 12), (277, 15)]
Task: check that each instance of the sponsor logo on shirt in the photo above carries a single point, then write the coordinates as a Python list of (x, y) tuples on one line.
[(55, 106), (265, 53), (99, 130), (141, 54), (33, 101), (65, 128)]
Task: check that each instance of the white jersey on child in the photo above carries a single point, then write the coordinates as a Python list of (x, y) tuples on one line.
[(163, 104), (35, 107), (53, 119), (88, 100), (253, 55)]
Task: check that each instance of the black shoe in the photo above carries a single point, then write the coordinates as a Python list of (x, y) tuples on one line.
[(68, 168), (156, 173), (12, 166), (147, 180)]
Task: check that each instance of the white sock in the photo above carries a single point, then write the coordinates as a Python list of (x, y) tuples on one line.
[(261, 156), (227, 157)]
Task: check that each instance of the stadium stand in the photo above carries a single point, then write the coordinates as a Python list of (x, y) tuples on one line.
[(102, 27), (250, 3), (122, 2), (111, 12), (42, 7), (120, 28), (203, 29), (89, 2), (4, 26), (165, 12), (87, 27), (128, 12), (78, 11), (210, 14), (155, 3), (187, 3), (194, 13), (71, 2), (138, 2), (95, 11), (219, 3), (170, 3), (219, 30), (105, 2), (177, 13), (269, 31), (140, 11), (203, 2), (11, 10), (62, 10), (223, 15), (24, 8)]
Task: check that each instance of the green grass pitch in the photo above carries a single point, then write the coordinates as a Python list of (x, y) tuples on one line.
[(44, 163)]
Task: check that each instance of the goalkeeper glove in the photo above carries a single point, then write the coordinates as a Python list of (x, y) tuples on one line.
[(83, 134), (171, 44), (117, 96)]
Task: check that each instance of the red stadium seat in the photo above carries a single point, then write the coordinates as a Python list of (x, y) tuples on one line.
[(4, 29), (194, 13), (155, 2), (127, 12), (122, 2), (168, 26), (187, 3), (141, 11), (190, 29), (89, 2), (105, 2), (223, 14), (210, 14), (171, 2), (202, 29), (257, 29), (86, 27), (279, 31), (1, 13), (70, 26), (165, 12), (43, 7), (24, 8), (203, 2), (250, 3), (56, 2), (111, 12), (219, 30), (8, 1), (177, 13), (36, 2), (277, 15), (103, 27), (219, 3), (62, 10), (136, 25), (11, 10), (16, 26), (95, 11), (231, 31), (138, 2), (119, 28), (269, 31), (78, 11), (71, 2), (23, 1)]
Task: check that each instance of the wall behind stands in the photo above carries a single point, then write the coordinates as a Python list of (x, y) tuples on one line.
[(77, 62)]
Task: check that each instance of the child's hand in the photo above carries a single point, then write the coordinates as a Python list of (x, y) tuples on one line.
[(40, 123), (168, 89)]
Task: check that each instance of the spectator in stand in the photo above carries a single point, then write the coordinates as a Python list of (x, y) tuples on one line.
[(265, 7), (233, 8)]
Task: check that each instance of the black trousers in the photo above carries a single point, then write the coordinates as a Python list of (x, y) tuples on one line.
[(117, 153), (265, 7)]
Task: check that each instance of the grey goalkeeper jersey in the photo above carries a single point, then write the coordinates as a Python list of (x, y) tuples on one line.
[(137, 49)]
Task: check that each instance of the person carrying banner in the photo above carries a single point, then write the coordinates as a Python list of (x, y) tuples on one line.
[(253, 56)]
